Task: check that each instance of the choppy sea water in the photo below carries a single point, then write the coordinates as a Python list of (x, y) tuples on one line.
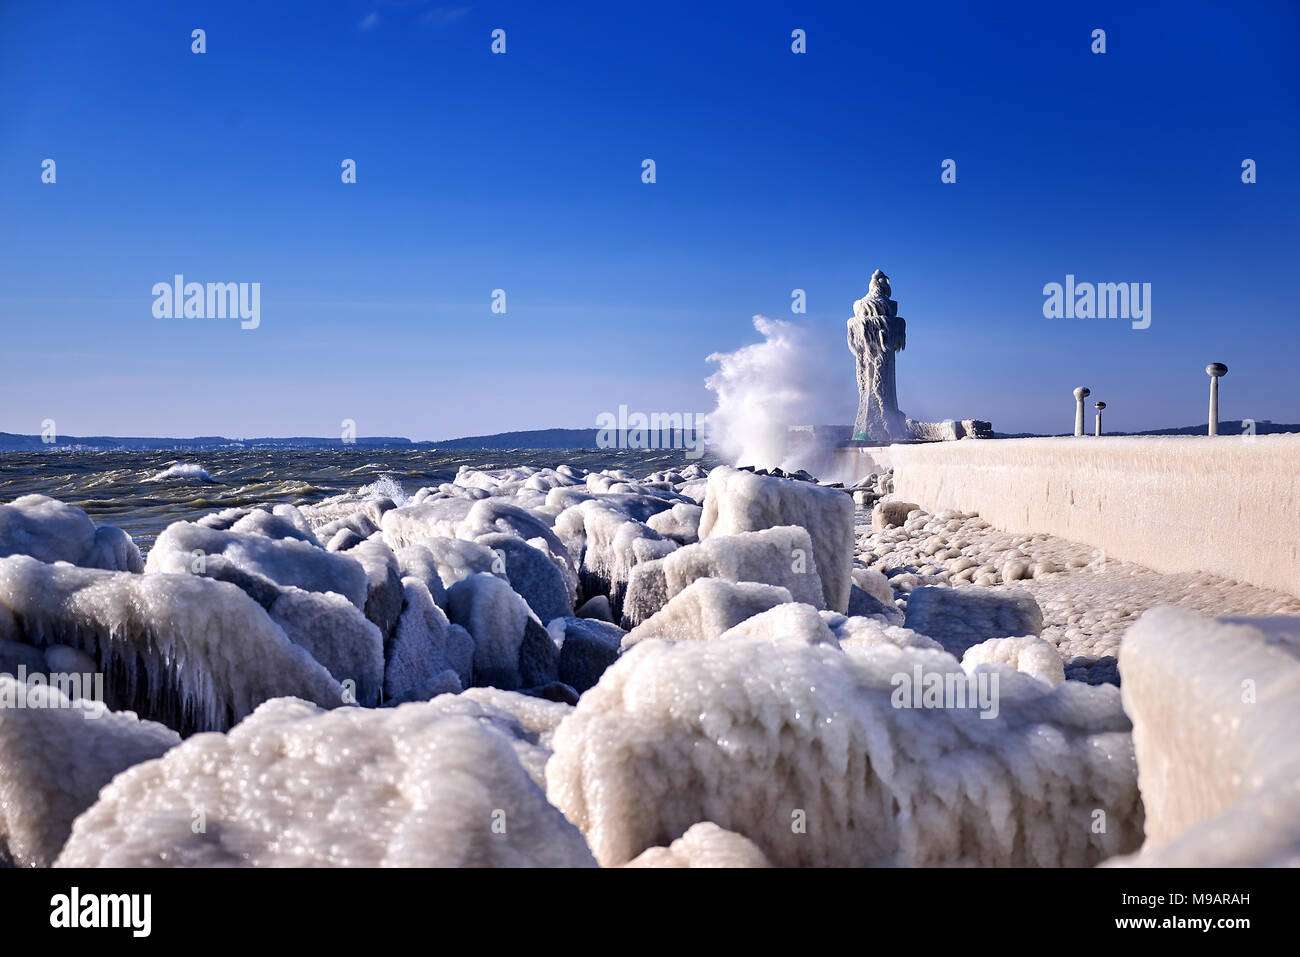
[(144, 491)]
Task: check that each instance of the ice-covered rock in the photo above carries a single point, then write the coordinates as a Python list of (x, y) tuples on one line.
[(511, 647), (1027, 654), (705, 609), (703, 845), (417, 561), (788, 620), (740, 501), (891, 514), (960, 618), (189, 548), (534, 574), (55, 755), (384, 593), (801, 749), (429, 784), (193, 653), (681, 523), (287, 522), (1215, 705), (424, 645), (854, 631), (50, 531), (587, 648), (336, 634), (609, 544), (874, 583), (781, 556)]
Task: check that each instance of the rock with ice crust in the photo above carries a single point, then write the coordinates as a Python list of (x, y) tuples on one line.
[(705, 609), (801, 749), (50, 531), (429, 784), (189, 548), (1215, 705), (780, 556), (193, 653), (703, 845), (740, 501), (55, 755), (1027, 654), (958, 618)]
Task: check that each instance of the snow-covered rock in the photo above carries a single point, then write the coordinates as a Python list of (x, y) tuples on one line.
[(1215, 705), (511, 647), (50, 531), (55, 755), (424, 645), (788, 620), (703, 845), (740, 501), (780, 556), (801, 749), (1027, 654), (534, 574), (430, 784), (961, 617), (193, 653), (587, 648), (190, 548), (705, 609)]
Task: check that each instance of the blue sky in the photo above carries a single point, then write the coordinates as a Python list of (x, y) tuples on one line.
[(775, 171)]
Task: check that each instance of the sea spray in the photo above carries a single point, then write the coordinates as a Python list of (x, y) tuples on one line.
[(800, 374)]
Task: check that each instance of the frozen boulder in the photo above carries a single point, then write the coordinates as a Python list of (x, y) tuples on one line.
[(424, 645), (511, 647), (55, 756), (959, 618), (703, 845), (854, 631), (429, 784), (681, 523), (1215, 705), (874, 583), (705, 609), (802, 749), (609, 544), (1032, 656), (864, 604), (779, 556), (384, 593), (338, 635), (597, 608), (50, 531), (193, 653), (417, 561), (533, 574), (189, 548), (740, 501), (788, 620), (891, 514), (587, 648), (281, 524)]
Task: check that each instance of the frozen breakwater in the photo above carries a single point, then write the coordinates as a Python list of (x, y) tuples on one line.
[(1228, 505), (687, 668)]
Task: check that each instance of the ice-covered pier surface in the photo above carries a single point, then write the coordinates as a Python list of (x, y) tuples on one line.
[(1229, 505), (687, 668)]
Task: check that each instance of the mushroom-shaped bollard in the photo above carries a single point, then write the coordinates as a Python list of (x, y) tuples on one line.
[(1080, 394), (1099, 407), (1215, 370)]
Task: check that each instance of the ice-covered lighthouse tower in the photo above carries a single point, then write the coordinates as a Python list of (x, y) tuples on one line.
[(876, 332)]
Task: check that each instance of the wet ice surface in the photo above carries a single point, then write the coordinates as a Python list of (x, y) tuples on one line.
[(1088, 599)]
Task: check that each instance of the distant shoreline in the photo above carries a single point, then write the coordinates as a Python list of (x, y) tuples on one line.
[(547, 439)]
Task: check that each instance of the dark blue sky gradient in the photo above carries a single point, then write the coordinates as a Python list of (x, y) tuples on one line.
[(523, 172)]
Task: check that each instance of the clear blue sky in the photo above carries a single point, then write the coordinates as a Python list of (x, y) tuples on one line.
[(523, 172)]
